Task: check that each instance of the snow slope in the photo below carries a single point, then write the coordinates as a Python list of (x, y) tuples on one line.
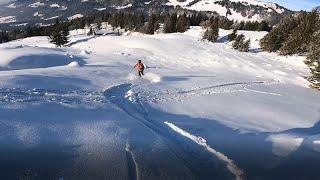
[(7, 19), (202, 110), (213, 6)]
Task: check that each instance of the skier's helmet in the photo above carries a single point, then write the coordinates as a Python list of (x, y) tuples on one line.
[(139, 61)]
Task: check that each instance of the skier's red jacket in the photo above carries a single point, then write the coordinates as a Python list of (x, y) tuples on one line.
[(139, 66)]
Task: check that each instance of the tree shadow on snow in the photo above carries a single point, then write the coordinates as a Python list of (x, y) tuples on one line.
[(256, 50), (223, 39)]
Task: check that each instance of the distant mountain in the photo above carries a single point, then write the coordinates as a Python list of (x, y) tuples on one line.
[(246, 10), (43, 12)]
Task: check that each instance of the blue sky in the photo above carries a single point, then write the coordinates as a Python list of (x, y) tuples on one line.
[(298, 4), (291, 4)]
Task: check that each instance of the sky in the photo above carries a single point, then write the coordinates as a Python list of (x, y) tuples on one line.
[(290, 4)]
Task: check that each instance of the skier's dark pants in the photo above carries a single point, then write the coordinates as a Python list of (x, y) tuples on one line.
[(140, 73)]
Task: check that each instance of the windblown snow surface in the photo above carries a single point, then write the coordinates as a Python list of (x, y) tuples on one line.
[(202, 110)]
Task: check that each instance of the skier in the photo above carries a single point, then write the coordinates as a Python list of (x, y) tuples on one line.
[(139, 67)]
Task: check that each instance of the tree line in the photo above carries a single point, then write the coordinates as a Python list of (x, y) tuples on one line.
[(134, 21), (211, 34), (299, 35)]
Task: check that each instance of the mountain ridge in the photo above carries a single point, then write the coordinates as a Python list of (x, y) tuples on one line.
[(42, 12)]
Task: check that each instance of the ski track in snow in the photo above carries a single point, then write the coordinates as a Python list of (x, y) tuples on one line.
[(234, 169), (182, 94), (262, 92), (123, 97), (133, 171), (16, 95)]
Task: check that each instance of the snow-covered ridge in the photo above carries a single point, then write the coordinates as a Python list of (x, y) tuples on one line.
[(53, 17), (76, 16), (148, 2), (12, 6), (37, 14), (214, 6), (245, 2), (26, 9), (37, 4), (55, 6), (19, 25), (123, 7), (7, 19), (270, 5), (100, 9), (63, 8)]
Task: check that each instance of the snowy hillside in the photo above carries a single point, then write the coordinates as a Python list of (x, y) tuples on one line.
[(238, 10), (201, 111)]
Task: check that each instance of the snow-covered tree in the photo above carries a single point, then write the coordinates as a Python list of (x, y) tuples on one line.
[(313, 60)]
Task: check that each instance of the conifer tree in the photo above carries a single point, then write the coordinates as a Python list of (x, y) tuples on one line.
[(170, 23), (299, 39), (263, 26), (313, 60), (182, 23), (4, 37), (233, 35), (153, 24), (173, 23), (274, 40), (60, 34), (244, 47), (239, 40), (212, 32), (167, 24)]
